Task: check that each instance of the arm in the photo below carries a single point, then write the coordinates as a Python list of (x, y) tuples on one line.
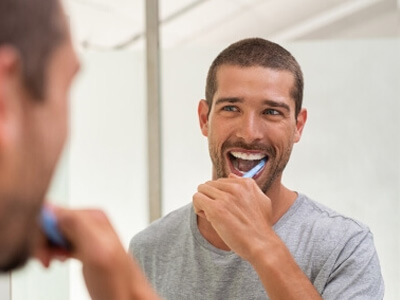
[(109, 272), (279, 272), (241, 215)]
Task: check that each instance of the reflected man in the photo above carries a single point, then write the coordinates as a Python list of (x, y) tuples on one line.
[(253, 238)]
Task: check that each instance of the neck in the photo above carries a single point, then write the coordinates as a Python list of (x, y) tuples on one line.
[(281, 199)]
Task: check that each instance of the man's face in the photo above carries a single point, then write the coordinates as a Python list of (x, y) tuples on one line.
[(40, 132), (252, 118)]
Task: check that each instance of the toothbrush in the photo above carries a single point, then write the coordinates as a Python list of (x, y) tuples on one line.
[(48, 222), (254, 170)]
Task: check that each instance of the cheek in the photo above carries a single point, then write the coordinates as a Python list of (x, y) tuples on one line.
[(282, 139), (64, 119), (63, 126), (61, 109), (58, 117), (216, 139)]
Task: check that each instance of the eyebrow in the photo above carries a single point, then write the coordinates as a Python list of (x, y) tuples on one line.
[(277, 104), (228, 100), (272, 103)]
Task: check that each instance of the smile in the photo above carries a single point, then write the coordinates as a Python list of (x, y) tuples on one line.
[(242, 162)]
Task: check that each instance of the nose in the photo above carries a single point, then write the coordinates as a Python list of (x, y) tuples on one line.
[(250, 128)]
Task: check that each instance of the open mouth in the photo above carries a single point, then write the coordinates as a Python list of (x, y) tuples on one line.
[(243, 162)]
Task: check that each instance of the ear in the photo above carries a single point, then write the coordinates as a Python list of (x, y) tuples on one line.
[(300, 123), (10, 87), (202, 112)]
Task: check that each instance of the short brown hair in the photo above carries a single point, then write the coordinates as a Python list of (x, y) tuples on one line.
[(257, 52), (34, 28)]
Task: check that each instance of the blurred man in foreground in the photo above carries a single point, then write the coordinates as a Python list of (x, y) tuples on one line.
[(37, 66)]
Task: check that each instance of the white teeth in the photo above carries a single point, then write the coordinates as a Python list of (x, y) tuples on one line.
[(248, 156)]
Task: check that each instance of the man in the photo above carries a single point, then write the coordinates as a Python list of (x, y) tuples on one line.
[(253, 238), (37, 66)]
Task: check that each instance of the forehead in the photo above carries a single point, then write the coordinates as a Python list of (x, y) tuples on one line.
[(253, 82)]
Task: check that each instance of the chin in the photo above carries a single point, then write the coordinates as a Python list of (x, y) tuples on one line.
[(18, 235), (16, 257)]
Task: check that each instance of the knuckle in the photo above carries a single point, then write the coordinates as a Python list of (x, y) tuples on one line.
[(248, 182), (201, 187), (237, 188)]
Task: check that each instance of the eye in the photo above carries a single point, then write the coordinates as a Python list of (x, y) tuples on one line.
[(272, 112), (230, 108)]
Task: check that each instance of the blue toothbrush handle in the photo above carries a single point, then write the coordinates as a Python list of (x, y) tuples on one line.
[(254, 170), (49, 225)]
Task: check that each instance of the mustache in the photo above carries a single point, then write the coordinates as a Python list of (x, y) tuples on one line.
[(253, 146)]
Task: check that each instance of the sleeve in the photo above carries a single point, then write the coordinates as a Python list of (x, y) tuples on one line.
[(133, 247), (136, 249), (356, 273)]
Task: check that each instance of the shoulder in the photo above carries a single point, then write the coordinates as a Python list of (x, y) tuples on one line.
[(327, 218), (344, 254), (336, 252), (325, 228)]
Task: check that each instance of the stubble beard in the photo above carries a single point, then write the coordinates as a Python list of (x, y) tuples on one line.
[(18, 259), (23, 201), (18, 230)]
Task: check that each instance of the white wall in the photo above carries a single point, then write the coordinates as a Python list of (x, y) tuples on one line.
[(5, 286), (108, 145)]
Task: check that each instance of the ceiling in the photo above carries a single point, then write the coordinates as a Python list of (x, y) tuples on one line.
[(106, 24)]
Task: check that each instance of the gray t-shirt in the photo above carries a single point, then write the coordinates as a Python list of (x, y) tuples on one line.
[(335, 252)]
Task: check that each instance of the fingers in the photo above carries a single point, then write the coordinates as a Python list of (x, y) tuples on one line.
[(46, 254), (76, 223), (200, 204), (211, 189), (220, 189), (231, 193), (223, 188), (45, 250), (87, 230), (210, 202), (109, 272)]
